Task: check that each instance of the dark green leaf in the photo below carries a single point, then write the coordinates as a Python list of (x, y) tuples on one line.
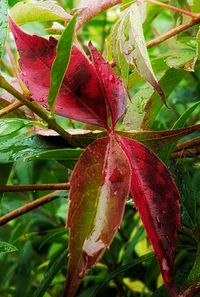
[(6, 247), (119, 270), (52, 270), (195, 272), (5, 170), (23, 277), (167, 151)]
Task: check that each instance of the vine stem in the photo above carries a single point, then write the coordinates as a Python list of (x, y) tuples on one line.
[(176, 9), (90, 13), (52, 124), (11, 107), (172, 32), (190, 291), (28, 207), (37, 187)]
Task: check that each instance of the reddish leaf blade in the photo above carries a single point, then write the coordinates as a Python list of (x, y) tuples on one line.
[(112, 86), (100, 184), (157, 200), (80, 96)]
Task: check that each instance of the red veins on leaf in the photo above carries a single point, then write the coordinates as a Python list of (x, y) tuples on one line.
[(110, 168)]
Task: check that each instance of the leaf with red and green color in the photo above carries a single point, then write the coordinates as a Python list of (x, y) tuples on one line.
[(80, 96), (128, 38), (112, 86), (100, 184), (157, 199)]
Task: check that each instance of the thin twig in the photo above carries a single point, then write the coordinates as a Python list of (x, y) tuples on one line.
[(37, 187), (172, 32), (190, 291), (174, 8), (33, 106), (28, 207), (11, 107), (89, 12), (186, 153), (187, 144)]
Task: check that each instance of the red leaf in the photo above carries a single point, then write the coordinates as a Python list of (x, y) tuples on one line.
[(157, 199), (100, 184), (80, 97), (112, 86)]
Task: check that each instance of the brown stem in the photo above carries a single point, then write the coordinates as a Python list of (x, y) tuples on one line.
[(177, 9), (89, 13), (15, 105), (190, 291), (172, 32), (185, 153), (52, 124), (39, 187), (28, 207), (188, 144), (183, 229)]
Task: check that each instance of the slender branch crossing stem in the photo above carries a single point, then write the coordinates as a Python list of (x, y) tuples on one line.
[(191, 290), (91, 13), (188, 144), (39, 187), (28, 207), (52, 124), (172, 32), (11, 107), (176, 9)]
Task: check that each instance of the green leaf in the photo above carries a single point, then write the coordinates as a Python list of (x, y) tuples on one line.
[(38, 11), (3, 24), (198, 44), (58, 154), (23, 275), (196, 6), (188, 206), (5, 170), (120, 270), (143, 109), (128, 38), (195, 271), (183, 56), (6, 247), (167, 151), (10, 127), (61, 62), (54, 266)]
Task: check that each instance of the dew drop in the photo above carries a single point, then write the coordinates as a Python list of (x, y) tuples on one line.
[(164, 264), (158, 222), (111, 78)]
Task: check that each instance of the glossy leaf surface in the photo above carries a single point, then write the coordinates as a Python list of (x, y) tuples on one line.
[(128, 38), (99, 188), (38, 11), (82, 101), (157, 199), (3, 24), (112, 86), (61, 62)]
